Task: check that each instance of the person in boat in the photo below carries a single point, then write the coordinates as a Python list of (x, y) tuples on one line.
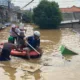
[(21, 27), (20, 40), (14, 31), (34, 41), (7, 47)]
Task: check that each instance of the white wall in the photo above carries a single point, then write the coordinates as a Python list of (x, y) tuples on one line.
[(13, 17)]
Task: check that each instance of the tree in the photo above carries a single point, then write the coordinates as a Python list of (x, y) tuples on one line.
[(47, 15), (27, 16)]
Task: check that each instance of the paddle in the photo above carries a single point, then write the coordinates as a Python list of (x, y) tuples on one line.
[(33, 48), (28, 44)]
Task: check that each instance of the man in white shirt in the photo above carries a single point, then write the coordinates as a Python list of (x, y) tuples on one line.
[(14, 32)]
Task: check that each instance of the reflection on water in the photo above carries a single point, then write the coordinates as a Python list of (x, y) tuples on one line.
[(54, 65)]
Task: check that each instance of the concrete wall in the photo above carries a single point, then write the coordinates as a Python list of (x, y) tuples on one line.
[(74, 26), (70, 25), (71, 17)]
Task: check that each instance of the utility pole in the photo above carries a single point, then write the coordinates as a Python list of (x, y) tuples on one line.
[(9, 3)]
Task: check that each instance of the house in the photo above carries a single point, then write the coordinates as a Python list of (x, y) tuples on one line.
[(71, 17), (15, 13), (3, 10), (9, 12), (71, 13)]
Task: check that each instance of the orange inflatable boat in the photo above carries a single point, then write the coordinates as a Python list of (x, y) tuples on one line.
[(33, 54)]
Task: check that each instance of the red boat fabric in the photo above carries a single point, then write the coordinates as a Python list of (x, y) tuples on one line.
[(1, 46), (23, 53)]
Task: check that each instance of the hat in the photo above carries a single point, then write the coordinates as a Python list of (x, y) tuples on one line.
[(10, 38), (37, 33)]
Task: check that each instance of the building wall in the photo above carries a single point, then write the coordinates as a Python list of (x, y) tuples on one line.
[(70, 25), (13, 17), (3, 15), (8, 12), (4, 2), (71, 16)]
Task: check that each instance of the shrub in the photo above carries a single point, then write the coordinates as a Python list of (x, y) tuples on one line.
[(47, 15)]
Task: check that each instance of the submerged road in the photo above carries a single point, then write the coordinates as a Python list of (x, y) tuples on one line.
[(54, 66)]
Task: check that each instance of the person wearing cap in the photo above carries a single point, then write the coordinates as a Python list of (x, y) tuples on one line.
[(14, 31), (34, 41), (7, 47)]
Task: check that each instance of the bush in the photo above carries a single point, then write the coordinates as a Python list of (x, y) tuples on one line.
[(47, 15)]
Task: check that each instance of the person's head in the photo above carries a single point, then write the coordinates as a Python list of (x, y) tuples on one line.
[(36, 34), (13, 26), (10, 39)]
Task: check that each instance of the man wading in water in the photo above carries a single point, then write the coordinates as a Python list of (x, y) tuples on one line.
[(7, 47)]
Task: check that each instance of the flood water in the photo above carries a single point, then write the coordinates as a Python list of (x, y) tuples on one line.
[(54, 66)]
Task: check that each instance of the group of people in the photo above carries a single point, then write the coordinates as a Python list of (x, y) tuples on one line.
[(22, 42)]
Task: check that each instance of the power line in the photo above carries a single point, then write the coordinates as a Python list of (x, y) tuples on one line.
[(38, 2), (68, 2), (59, 2), (27, 4)]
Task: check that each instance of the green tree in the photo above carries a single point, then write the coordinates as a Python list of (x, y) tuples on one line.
[(27, 16), (47, 15)]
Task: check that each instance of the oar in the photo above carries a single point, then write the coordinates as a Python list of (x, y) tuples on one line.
[(33, 48)]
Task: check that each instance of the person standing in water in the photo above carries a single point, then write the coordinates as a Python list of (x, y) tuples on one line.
[(7, 47)]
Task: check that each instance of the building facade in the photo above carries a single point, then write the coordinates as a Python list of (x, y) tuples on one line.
[(9, 12), (72, 13), (71, 17)]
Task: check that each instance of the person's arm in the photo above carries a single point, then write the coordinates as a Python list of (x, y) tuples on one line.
[(25, 40), (14, 46), (38, 44), (17, 31)]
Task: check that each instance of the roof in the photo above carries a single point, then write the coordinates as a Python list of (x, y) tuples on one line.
[(71, 9)]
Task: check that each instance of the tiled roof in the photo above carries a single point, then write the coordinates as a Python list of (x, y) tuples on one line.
[(71, 9)]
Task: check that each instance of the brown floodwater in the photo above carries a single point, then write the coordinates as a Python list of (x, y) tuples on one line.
[(53, 66)]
